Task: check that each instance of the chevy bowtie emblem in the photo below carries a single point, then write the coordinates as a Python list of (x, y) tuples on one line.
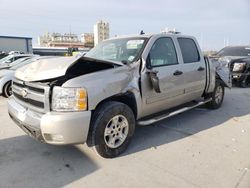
[(24, 93)]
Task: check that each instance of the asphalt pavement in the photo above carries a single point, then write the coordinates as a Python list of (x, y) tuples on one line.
[(199, 148)]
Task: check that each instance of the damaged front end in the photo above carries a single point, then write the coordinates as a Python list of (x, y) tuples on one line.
[(44, 90)]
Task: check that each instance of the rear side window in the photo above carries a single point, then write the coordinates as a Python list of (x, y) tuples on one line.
[(189, 50)]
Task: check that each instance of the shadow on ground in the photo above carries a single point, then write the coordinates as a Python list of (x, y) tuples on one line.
[(191, 122), (27, 163)]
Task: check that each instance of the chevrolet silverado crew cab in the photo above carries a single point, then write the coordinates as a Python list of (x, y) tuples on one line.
[(100, 97)]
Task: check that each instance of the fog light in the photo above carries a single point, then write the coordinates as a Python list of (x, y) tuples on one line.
[(53, 137)]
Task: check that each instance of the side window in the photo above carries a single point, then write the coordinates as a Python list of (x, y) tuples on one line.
[(16, 58), (13, 59), (162, 53), (189, 50)]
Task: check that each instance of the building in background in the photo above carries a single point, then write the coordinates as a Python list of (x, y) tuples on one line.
[(20, 44), (88, 39), (57, 51), (101, 31), (67, 40)]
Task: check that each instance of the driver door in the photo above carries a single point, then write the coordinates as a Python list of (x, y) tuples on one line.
[(163, 61)]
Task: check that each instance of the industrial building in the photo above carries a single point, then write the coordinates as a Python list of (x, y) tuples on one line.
[(67, 40), (88, 39), (11, 43), (57, 51)]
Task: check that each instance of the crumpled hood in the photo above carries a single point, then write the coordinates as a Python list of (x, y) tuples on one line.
[(226, 58), (44, 69)]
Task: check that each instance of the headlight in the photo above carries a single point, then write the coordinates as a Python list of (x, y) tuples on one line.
[(69, 99), (239, 66)]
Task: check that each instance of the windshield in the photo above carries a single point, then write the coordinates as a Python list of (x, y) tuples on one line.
[(6, 59), (121, 50), (234, 51)]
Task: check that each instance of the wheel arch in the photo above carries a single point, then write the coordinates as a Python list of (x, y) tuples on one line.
[(127, 98)]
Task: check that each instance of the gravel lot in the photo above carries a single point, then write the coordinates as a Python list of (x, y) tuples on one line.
[(199, 148)]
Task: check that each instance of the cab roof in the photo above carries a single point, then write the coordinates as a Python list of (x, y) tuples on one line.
[(150, 35)]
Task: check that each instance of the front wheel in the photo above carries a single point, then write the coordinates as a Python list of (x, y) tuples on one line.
[(217, 96), (112, 128)]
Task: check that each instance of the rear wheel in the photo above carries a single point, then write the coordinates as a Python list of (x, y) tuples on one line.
[(217, 96), (7, 90), (112, 128)]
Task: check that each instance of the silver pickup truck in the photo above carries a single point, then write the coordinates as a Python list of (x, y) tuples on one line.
[(100, 97)]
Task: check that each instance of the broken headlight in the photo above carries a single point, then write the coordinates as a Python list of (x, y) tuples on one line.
[(69, 99), (239, 66)]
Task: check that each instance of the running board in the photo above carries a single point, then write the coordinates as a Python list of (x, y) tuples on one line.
[(165, 116)]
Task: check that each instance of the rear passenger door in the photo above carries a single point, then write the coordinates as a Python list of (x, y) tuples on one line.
[(194, 72)]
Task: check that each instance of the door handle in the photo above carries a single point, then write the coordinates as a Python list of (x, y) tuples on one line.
[(177, 73), (201, 69)]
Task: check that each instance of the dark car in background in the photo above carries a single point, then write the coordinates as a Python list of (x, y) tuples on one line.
[(237, 58)]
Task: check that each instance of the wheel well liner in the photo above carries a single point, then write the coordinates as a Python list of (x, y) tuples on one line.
[(127, 98)]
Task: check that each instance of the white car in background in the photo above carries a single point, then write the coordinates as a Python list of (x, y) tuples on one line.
[(6, 75), (11, 58), (14, 63)]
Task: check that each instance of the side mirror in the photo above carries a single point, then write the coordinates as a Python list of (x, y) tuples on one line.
[(154, 80)]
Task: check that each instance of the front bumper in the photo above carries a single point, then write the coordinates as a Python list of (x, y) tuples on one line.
[(57, 128), (239, 76)]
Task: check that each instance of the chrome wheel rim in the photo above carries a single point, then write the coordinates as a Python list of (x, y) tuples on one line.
[(116, 131), (218, 95)]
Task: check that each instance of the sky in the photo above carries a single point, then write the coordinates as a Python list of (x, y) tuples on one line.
[(213, 22)]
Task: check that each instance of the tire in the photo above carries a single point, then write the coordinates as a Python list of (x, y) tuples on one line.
[(217, 96), (112, 128), (7, 90)]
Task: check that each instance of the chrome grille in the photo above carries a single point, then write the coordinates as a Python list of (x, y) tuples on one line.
[(31, 95)]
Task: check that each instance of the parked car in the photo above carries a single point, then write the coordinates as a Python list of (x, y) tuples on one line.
[(15, 52), (6, 75), (11, 58), (237, 59), (100, 97), (14, 63)]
